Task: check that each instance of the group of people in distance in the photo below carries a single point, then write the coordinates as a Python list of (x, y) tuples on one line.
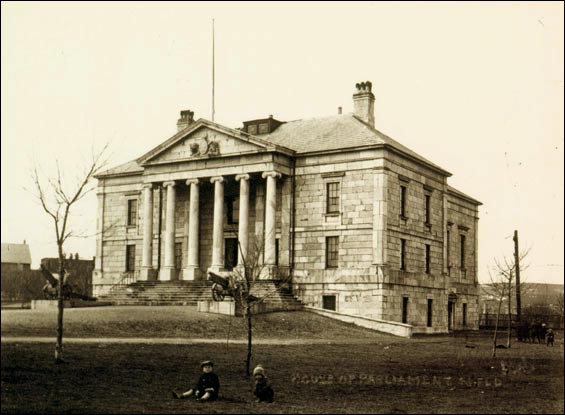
[(208, 385), (535, 332)]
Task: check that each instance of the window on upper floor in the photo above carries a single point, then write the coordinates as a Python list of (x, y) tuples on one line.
[(403, 202), (332, 197), (428, 259), (462, 253), (448, 236), (132, 212), (427, 209), (232, 210), (263, 128)]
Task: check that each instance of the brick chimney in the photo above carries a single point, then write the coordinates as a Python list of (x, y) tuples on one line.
[(186, 118), (364, 103)]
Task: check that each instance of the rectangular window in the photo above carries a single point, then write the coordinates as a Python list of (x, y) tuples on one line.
[(430, 311), (464, 314), (277, 251), (252, 129), (403, 254), (263, 128), (448, 251), (130, 258), (132, 212), (232, 210), (462, 256), (428, 259), (405, 310), (403, 201), (427, 210), (332, 200), (328, 302), (332, 251)]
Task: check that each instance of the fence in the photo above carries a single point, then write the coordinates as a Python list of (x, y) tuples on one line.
[(488, 320)]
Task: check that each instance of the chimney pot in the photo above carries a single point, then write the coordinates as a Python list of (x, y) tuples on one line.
[(339, 110), (364, 103), (186, 118)]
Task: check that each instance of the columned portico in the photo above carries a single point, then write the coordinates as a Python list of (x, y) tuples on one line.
[(243, 230), (167, 272), (192, 270), (218, 225), (270, 215), (147, 271)]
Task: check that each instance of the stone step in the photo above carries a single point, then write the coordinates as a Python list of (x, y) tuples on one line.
[(190, 292)]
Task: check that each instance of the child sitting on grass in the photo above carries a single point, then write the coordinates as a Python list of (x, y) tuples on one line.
[(263, 390), (207, 387)]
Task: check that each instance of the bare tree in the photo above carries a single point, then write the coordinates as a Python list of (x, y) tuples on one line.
[(57, 200), (244, 282), (502, 287)]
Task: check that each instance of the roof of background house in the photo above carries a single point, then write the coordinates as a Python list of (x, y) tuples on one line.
[(16, 254)]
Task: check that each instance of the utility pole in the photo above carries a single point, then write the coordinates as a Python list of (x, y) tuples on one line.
[(517, 265)]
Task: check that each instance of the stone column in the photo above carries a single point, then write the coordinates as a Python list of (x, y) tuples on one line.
[(243, 231), (270, 225), (192, 270), (147, 271), (168, 270), (218, 231)]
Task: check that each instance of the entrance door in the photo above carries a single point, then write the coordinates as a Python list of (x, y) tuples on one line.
[(178, 260), (230, 254), (450, 312)]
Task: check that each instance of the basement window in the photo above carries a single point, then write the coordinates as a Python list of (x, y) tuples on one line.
[(329, 302)]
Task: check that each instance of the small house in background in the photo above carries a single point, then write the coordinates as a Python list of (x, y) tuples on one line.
[(15, 257), (19, 281)]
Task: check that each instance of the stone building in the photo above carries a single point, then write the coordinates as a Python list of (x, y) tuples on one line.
[(361, 224)]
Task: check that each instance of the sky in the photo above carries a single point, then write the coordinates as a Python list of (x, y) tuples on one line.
[(477, 88)]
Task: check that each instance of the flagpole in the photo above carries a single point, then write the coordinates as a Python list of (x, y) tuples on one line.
[(213, 72)]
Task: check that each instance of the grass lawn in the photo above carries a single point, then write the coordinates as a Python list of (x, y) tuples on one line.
[(382, 374), (176, 322)]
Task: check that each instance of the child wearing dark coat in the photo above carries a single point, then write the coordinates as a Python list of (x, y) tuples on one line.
[(549, 337), (263, 390), (207, 387)]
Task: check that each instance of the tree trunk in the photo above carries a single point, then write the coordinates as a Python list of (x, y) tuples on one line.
[(60, 307), (496, 328), (249, 340)]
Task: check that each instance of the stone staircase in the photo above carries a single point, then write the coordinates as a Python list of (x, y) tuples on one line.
[(155, 293), (278, 297)]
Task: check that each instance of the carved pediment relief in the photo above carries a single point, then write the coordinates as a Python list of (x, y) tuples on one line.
[(205, 142)]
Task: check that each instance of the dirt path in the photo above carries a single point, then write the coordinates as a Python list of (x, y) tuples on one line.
[(138, 340)]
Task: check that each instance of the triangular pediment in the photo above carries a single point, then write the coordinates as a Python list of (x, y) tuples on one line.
[(205, 139)]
